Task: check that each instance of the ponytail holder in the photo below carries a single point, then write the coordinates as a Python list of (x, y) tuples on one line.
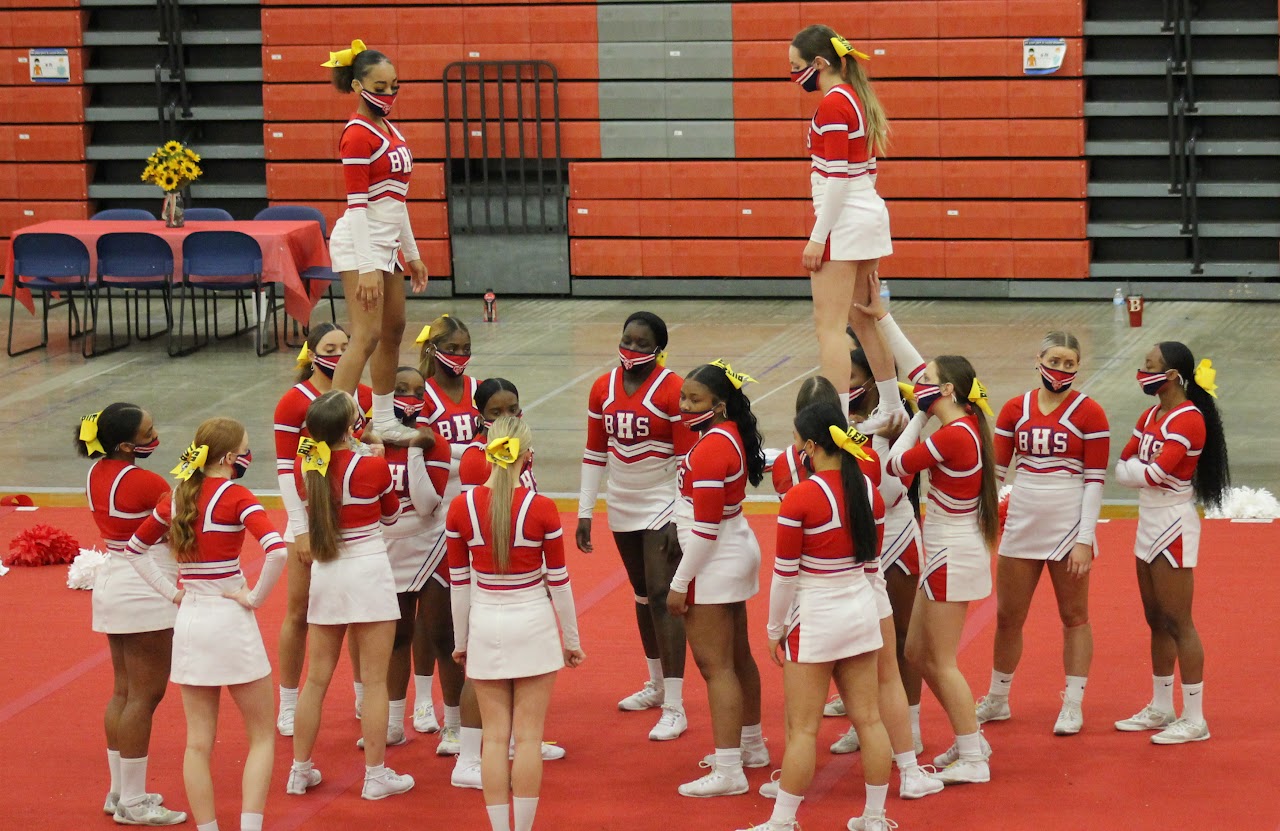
[(1204, 375), (503, 452), (89, 434), (844, 47), (978, 396), (662, 359), (315, 456), (304, 356), (346, 56), (735, 378), (850, 441), (193, 459), (424, 335)]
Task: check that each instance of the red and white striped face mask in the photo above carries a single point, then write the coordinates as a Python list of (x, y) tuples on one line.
[(632, 358), (407, 408), (1056, 380), (453, 364), (326, 365)]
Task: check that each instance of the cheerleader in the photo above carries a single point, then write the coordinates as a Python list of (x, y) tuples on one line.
[(1176, 457), (317, 362), (822, 610), (1061, 442), (349, 498), (216, 642), (368, 240), (635, 435), (787, 470), (959, 530), (720, 569), (851, 229), (137, 621), (508, 541)]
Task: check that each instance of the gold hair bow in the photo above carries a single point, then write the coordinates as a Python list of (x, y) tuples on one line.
[(503, 452), (908, 391), (424, 335), (304, 356), (193, 459), (735, 378), (1204, 375), (844, 47), (662, 359), (346, 56), (89, 434), (850, 441), (978, 396), (315, 456)]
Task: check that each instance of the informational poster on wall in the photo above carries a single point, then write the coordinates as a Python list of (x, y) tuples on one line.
[(1043, 56), (49, 66)]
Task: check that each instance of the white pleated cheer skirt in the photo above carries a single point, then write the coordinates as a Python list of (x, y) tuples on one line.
[(1043, 520), (650, 509), (124, 603), (884, 608), (415, 558), (512, 634), (833, 618), (861, 231), (216, 641), (358, 587), (957, 563), (901, 549), (384, 238), (732, 573), (1168, 527)]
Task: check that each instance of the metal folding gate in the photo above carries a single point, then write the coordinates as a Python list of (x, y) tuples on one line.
[(505, 178)]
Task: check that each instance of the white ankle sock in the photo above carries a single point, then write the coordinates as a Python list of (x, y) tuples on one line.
[(1193, 702), (915, 718), (752, 735), (469, 738), (1162, 692), (452, 717), (113, 765), (133, 781), (785, 806), (359, 688), (395, 713), (421, 690), (288, 698), (251, 822), (655, 672), (673, 689), (208, 826), (970, 746), (906, 760), (374, 771), (499, 817), (302, 767), (876, 795), (1075, 688), (524, 808), (1000, 683), (384, 408), (728, 758)]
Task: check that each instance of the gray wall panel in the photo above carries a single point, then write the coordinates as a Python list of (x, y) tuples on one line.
[(700, 139), (699, 99), (699, 21), (631, 23), (631, 100), (699, 59), (633, 139), (631, 61)]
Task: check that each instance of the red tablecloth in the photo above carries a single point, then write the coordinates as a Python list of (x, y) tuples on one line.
[(288, 248)]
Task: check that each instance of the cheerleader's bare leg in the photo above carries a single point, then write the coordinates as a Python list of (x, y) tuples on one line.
[(1016, 581), (201, 707), (1073, 608), (326, 647), (366, 331), (1172, 589), (661, 557), (435, 610), (631, 548), (531, 699), (293, 629), (744, 667), (496, 700), (902, 595), (804, 690), (401, 646), (375, 642), (857, 680), (146, 659), (895, 713), (833, 288), (712, 634), (119, 695), (256, 705)]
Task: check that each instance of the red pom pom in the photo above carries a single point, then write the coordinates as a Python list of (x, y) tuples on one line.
[(42, 545), (1003, 511)]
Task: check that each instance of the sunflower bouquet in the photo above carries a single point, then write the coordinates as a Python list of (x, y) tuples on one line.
[(172, 167)]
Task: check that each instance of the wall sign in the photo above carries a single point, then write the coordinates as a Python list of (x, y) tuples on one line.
[(49, 66), (1043, 56)]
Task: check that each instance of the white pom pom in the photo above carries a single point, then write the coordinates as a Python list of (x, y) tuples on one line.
[(1246, 503), (84, 567), (1005, 490), (4, 569)]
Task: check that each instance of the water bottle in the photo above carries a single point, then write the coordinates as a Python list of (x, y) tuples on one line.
[(884, 293), (1118, 300)]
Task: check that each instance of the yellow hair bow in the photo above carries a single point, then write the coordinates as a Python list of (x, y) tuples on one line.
[(735, 378), (850, 441), (89, 434), (844, 47), (978, 396), (315, 456), (424, 335), (908, 391), (1204, 375), (503, 452), (304, 356), (662, 359), (193, 459), (346, 56)]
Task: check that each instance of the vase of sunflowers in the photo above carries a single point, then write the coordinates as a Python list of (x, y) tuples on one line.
[(172, 167)]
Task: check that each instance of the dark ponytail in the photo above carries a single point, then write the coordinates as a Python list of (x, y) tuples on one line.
[(816, 388), (117, 423), (737, 408), (358, 70), (814, 424), (1213, 475)]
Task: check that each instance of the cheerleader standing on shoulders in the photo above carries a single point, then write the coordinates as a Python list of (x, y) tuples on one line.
[(369, 238), (720, 569), (349, 498), (1058, 441), (216, 642), (1176, 457), (510, 584), (959, 531), (634, 435), (137, 621)]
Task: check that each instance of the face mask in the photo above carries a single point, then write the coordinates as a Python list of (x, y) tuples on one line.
[(855, 395), (1152, 382), (926, 396), (1056, 380), (453, 364), (698, 422), (379, 102), (325, 364), (632, 359), (528, 465), (807, 78), (142, 451), (241, 465), (806, 461), (407, 408)]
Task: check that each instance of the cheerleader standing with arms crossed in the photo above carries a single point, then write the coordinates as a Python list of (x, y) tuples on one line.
[(851, 230), (720, 569), (137, 621), (1058, 441), (1176, 457), (217, 642), (634, 434), (368, 239), (506, 555)]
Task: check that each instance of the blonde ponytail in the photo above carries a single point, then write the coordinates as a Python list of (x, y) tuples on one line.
[(877, 124), (502, 484)]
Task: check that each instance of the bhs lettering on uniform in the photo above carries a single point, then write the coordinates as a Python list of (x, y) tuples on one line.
[(626, 426), (1042, 441), (458, 428), (401, 160), (1149, 447)]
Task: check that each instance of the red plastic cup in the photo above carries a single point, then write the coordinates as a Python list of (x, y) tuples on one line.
[(1136, 305)]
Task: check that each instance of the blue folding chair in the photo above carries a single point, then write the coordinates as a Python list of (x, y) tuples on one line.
[(138, 264), (130, 214), (302, 213), (222, 261), (207, 215), (49, 264)]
